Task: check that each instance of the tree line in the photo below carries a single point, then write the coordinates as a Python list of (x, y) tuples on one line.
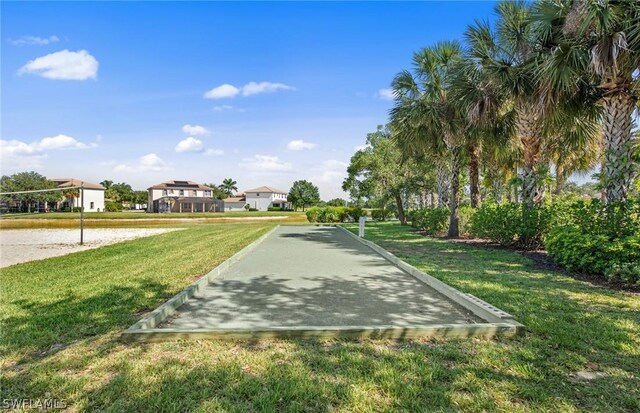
[(550, 89)]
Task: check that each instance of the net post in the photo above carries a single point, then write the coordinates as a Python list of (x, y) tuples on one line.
[(81, 213)]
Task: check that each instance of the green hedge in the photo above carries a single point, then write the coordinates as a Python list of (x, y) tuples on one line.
[(382, 214), (111, 206), (598, 239), (507, 224), (435, 221), (334, 214)]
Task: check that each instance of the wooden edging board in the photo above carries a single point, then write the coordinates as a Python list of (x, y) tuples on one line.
[(498, 322)]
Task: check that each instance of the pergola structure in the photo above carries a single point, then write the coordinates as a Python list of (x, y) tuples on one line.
[(187, 204)]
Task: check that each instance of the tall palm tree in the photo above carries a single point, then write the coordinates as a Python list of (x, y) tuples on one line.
[(599, 39), (434, 112), (229, 186), (71, 194)]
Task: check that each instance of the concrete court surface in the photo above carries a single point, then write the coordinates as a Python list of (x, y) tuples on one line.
[(315, 276)]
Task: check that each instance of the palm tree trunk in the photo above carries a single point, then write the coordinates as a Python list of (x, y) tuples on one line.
[(474, 175), (401, 216), (456, 166), (443, 184), (529, 130), (561, 179), (618, 171)]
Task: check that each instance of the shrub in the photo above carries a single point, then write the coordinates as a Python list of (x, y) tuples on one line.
[(76, 209), (111, 206), (381, 214), (617, 259), (433, 221), (274, 209), (331, 214), (507, 224)]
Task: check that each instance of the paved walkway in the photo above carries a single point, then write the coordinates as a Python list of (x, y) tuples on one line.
[(315, 276)]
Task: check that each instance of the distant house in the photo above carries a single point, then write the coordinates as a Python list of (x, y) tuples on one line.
[(183, 196), (93, 195), (235, 203), (265, 197)]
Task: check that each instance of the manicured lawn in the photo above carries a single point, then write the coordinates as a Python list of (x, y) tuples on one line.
[(62, 318)]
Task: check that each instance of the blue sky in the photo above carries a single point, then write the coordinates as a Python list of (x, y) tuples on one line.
[(132, 91)]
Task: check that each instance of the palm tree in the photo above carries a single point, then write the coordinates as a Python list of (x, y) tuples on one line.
[(71, 194), (229, 186), (599, 40), (434, 112)]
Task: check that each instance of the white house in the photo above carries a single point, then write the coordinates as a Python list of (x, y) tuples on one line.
[(182, 196), (235, 203), (93, 195), (265, 197)]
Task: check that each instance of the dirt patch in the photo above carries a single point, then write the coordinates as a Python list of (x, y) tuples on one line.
[(24, 245)]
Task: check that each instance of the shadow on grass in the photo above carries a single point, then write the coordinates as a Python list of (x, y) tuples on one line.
[(570, 325)]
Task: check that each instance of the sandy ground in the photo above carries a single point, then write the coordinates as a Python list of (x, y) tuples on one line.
[(23, 245)]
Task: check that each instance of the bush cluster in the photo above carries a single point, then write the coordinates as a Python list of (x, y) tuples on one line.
[(511, 225), (598, 239), (382, 214), (435, 221), (331, 214), (112, 206)]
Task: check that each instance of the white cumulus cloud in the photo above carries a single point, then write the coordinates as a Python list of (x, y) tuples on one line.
[(19, 154), (190, 144), (195, 130), (300, 145), (265, 163), (252, 88), (386, 94), (214, 152), (34, 40), (63, 65), (146, 163), (223, 91)]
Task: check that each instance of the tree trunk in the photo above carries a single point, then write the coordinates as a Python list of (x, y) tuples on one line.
[(529, 130), (561, 180), (443, 184), (401, 216), (456, 166), (474, 175), (619, 169)]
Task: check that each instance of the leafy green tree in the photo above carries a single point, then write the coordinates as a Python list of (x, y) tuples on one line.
[(29, 181), (302, 194), (336, 202), (379, 172)]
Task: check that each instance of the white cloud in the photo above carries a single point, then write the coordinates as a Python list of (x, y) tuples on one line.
[(300, 145), (64, 65), (214, 152), (222, 107), (146, 163), (195, 130), (33, 40), (252, 88), (58, 142), (265, 163), (223, 91), (190, 144), (17, 154), (386, 94)]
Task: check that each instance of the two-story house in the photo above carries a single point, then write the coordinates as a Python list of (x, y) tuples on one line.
[(265, 197), (183, 196)]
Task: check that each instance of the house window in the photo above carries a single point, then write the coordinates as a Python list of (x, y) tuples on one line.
[(182, 192), (164, 192), (195, 193), (258, 194), (171, 191), (207, 193), (91, 205)]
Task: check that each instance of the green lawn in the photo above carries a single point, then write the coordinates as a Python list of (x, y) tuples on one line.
[(62, 317)]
